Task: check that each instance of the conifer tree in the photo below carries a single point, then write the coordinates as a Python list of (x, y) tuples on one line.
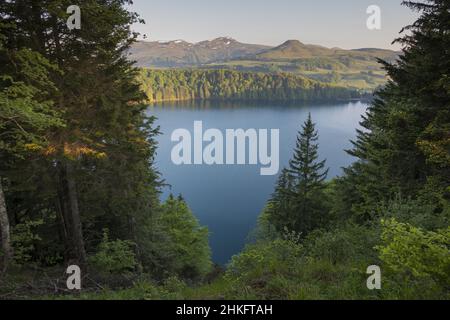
[(188, 241), (298, 203), (280, 205), (405, 145), (107, 141), (26, 115)]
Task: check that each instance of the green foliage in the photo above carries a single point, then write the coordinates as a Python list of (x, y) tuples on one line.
[(402, 174), (298, 202), (357, 69), (411, 250), (172, 289), (265, 229), (27, 110), (265, 259), (142, 288), (187, 248), (256, 270), (24, 239), (419, 213), (176, 85), (325, 265), (332, 265), (350, 242), (405, 142), (114, 256), (101, 130)]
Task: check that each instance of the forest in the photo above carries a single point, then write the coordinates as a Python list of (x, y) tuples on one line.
[(182, 85), (78, 182)]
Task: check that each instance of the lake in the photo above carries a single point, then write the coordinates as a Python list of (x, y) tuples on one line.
[(229, 198)]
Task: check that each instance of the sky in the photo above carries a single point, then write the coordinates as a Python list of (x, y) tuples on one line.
[(331, 23)]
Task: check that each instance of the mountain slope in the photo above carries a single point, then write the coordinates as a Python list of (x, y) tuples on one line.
[(180, 53), (294, 50), (355, 69), (183, 85)]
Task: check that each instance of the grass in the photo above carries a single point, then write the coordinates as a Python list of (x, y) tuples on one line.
[(214, 291)]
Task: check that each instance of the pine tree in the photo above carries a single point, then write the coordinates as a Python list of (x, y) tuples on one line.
[(188, 243), (107, 141), (280, 205), (26, 115), (405, 144), (299, 201)]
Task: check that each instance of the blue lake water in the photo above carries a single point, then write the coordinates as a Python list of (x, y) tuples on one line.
[(229, 198)]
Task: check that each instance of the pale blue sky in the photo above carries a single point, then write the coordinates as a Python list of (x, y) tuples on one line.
[(332, 23)]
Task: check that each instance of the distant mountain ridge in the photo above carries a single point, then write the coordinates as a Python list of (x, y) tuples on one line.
[(179, 53), (294, 49), (355, 69)]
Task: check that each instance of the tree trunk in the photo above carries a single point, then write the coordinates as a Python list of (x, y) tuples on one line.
[(64, 224), (134, 236), (71, 214), (6, 246)]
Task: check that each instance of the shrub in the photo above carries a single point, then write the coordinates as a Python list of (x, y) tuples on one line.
[(114, 257), (255, 272), (188, 252), (24, 239), (419, 213), (265, 258), (413, 251), (348, 243)]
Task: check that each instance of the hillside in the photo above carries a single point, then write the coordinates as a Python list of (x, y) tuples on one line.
[(180, 53), (355, 69), (294, 50), (182, 85)]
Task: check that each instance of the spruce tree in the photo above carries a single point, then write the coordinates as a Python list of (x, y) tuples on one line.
[(102, 158), (280, 206), (187, 246), (405, 145), (26, 116), (299, 201)]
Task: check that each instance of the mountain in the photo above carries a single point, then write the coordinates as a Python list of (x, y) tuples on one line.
[(355, 69), (294, 50), (180, 53)]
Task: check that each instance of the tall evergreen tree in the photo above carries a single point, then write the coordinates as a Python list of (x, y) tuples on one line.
[(108, 140), (26, 115), (280, 205), (405, 145), (298, 203)]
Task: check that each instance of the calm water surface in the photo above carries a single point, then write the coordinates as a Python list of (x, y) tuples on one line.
[(228, 199)]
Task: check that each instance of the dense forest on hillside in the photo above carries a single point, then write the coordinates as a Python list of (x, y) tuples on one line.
[(356, 69), (179, 85), (78, 183)]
